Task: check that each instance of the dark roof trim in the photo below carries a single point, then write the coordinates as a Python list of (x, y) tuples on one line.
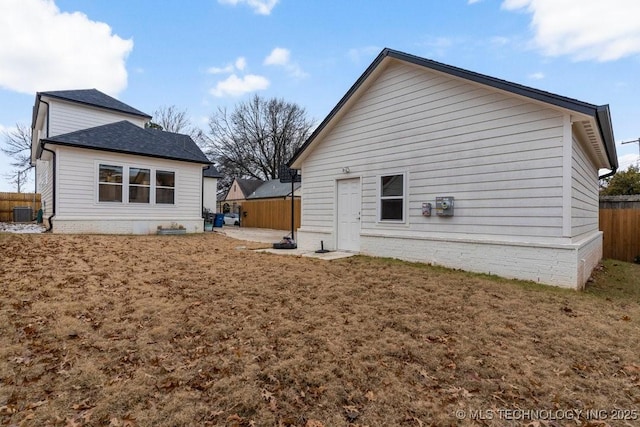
[(94, 98), (603, 117), (211, 172), (515, 88), (112, 150)]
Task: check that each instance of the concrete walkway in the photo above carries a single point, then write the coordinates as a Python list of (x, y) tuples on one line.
[(265, 235)]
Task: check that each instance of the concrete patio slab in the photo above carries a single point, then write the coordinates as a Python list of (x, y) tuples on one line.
[(328, 256), (265, 235)]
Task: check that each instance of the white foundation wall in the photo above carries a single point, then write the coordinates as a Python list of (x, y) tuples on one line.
[(589, 256), (563, 265), (120, 226), (309, 240), (552, 265)]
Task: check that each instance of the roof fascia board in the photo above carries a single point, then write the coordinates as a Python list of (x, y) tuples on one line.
[(531, 93)]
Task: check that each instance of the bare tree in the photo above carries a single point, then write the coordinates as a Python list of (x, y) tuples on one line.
[(256, 137), (171, 119), (16, 143)]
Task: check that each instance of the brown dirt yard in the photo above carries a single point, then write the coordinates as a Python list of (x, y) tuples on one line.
[(201, 330)]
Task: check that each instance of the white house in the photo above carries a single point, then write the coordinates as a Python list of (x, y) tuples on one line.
[(99, 169), (210, 188), (427, 162)]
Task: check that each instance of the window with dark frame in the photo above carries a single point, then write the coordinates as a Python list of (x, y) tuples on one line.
[(165, 187), (392, 198), (110, 183)]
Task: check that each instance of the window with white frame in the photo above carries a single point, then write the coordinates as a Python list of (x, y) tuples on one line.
[(165, 187), (392, 196), (139, 185), (110, 183)]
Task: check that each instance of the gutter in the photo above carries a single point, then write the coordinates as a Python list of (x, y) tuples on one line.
[(603, 118)]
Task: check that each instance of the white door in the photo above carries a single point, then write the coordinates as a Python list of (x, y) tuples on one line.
[(348, 238)]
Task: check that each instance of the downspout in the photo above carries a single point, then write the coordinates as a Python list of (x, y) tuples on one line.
[(53, 188), (608, 174), (53, 175), (204, 219)]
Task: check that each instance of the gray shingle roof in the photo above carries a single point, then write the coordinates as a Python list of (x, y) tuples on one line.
[(211, 172), (127, 138), (273, 188), (94, 97), (248, 186)]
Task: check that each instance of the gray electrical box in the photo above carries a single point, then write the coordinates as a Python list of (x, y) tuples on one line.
[(444, 206)]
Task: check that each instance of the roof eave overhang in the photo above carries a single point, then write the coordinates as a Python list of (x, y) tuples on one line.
[(155, 156), (603, 119)]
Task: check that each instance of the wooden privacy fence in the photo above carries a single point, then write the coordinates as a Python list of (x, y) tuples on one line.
[(8, 201), (620, 223), (272, 213)]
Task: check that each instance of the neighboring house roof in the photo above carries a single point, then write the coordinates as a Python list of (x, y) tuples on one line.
[(211, 172), (600, 114), (95, 98), (247, 186), (272, 189), (127, 138)]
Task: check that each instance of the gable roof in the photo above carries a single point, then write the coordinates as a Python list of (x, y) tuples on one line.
[(211, 172), (126, 138), (248, 186), (600, 114), (272, 189), (94, 98)]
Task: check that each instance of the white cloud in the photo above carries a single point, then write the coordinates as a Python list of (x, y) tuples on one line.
[(237, 86), (473, 1), (228, 69), (586, 29), (281, 57), (278, 56), (536, 76), (261, 7), (45, 49), (239, 65)]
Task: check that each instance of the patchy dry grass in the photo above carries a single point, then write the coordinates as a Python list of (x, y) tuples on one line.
[(192, 330)]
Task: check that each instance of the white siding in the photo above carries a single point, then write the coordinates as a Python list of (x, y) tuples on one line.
[(209, 195), (68, 117), (584, 193), (44, 184), (77, 191), (498, 155)]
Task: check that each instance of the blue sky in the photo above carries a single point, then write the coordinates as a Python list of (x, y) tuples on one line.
[(204, 54)]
